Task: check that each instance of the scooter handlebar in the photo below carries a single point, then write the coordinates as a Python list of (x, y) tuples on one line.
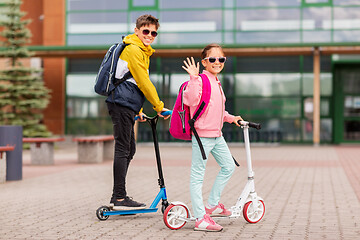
[(165, 113), (257, 126)]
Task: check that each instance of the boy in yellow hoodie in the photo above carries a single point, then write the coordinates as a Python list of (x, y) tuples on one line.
[(126, 102)]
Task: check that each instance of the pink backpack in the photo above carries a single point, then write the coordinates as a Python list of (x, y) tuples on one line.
[(181, 125)]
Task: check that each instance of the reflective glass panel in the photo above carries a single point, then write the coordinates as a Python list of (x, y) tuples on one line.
[(191, 21), (267, 3), (268, 84), (96, 4), (316, 17), (346, 2), (269, 107), (325, 84), (267, 37), (347, 36), (272, 19), (189, 4), (189, 38)]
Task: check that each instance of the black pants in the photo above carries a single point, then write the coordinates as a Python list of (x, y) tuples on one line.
[(123, 126)]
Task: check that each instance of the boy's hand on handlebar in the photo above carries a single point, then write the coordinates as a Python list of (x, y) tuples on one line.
[(141, 117), (164, 110), (237, 119)]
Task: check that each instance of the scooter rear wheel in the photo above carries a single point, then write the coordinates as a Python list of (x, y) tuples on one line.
[(172, 216), (254, 214)]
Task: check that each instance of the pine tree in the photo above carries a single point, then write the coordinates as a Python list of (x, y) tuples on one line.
[(23, 95)]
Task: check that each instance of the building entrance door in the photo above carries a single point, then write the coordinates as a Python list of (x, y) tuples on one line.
[(346, 103)]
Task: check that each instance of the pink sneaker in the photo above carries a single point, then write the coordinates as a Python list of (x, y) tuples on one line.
[(207, 224), (218, 211)]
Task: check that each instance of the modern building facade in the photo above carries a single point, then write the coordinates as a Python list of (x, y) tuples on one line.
[(293, 65)]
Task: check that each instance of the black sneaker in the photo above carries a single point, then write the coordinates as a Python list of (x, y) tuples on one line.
[(128, 204)]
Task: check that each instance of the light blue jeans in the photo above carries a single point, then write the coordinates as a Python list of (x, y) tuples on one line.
[(220, 151)]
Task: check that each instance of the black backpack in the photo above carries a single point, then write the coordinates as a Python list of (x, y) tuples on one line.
[(105, 81)]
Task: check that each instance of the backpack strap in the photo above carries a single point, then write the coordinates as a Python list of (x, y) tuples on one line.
[(126, 76), (204, 102)]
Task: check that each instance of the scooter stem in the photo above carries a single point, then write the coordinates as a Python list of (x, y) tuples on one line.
[(248, 154)]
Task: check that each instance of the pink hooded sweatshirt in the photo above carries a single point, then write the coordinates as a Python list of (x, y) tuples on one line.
[(211, 121)]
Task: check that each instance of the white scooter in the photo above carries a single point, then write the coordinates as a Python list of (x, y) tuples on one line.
[(249, 203)]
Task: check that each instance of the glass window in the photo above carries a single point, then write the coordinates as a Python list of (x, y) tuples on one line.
[(325, 84), (346, 18), (255, 108), (229, 21), (96, 4), (134, 15), (98, 39), (97, 17), (316, 36), (268, 64), (268, 84), (268, 19), (80, 85), (316, 16), (352, 130), (190, 4), (346, 2), (346, 36), (82, 65), (351, 83), (229, 38), (102, 22), (190, 21), (325, 64), (267, 37), (267, 3), (189, 38), (143, 3), (325, 130), (316, 1)]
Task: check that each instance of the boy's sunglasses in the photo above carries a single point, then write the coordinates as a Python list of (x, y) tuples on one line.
[(213, 59), (147, 31)]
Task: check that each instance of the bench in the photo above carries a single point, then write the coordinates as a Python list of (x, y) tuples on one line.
[(42, 149), (94, 149), (4, 149)]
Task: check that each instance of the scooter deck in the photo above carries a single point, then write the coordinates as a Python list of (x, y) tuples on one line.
[(127, 212)]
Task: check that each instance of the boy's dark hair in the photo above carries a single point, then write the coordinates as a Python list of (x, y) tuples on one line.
[(147, 19), (206, 49)]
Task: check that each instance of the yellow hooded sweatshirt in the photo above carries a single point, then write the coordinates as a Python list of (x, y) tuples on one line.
[(136, 58)]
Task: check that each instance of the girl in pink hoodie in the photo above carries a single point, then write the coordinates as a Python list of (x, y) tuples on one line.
[(208, 127)]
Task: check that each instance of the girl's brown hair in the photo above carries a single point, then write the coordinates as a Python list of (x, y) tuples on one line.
[(206, 49), (147, 19)]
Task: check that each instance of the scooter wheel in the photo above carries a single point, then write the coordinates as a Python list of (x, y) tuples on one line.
[(254, 214), (100, 213), (174, 216)]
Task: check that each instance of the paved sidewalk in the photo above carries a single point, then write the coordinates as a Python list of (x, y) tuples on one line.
[(309, 193)]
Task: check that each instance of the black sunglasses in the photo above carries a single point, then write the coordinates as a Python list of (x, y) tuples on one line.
[(147, 31), (213, 59)]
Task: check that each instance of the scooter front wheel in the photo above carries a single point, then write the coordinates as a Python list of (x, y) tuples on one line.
[(252, 213), (100, 213), (174, 215)]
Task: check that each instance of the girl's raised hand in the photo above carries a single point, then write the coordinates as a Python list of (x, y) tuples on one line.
[(191, 67)]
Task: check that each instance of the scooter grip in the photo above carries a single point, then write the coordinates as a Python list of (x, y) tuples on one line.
[(255, 125), (250, 124)]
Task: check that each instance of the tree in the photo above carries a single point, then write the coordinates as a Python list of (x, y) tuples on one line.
[(23, 95)]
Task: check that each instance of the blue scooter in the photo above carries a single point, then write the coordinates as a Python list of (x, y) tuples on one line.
[(104, 212)]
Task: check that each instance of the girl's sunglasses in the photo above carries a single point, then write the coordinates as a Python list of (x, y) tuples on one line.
[(213, 59), (147, 31)]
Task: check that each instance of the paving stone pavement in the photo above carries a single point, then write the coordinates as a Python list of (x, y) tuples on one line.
[(309, 193)]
